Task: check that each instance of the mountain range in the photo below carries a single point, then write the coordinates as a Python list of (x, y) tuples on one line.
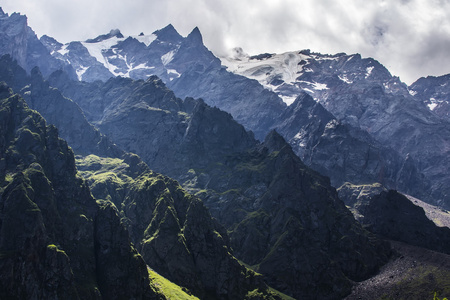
[(210, 171)]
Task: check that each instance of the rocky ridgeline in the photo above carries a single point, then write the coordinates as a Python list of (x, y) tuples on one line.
[(434, 92), (248, 186), (56, 241), (378, 115), (395, 217), (20, 41), (58, 110), (172, 229)]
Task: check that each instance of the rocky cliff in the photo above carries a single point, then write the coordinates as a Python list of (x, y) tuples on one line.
[(19, 40), (55, 240), (395, 217), (262, 193)]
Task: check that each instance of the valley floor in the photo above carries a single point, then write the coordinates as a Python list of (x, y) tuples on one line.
[(413, 273)]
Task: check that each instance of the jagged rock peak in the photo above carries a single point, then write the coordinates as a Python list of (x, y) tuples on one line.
[(2, 13), (195, 36), (274, 141), (112, 33), (168, 34), (48, 40)]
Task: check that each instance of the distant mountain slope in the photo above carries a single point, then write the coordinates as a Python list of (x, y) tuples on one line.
[(434, 91), (363, 94), (19, 40)]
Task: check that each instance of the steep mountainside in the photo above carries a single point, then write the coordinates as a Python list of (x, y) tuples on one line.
[(55, 240), (256, 190), (57, 110), (171, 229), (190, 69), (20, 41), (347, 153), (394, 216), (361, 93), (435, 93)]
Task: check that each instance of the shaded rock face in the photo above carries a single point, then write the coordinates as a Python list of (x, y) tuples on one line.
[(362, 95), (287, 222), (342, 151), (263, 194), (393, 216), (381, 105), (57, 110), (172, 229), (47, 230)]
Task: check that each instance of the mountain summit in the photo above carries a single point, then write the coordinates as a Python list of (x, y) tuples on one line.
[(113, 33)]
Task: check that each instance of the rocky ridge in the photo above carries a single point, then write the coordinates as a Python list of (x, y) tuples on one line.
[(51, 245), (184, 63), (241, 181)]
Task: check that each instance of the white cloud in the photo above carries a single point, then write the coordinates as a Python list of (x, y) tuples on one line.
[(410, 37)]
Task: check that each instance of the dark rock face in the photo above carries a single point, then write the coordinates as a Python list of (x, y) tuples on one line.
[(392, 215), (57, 110), (263, 194), (380, 104), (363, 95), (230, 282), (172, 229), (48, 217), (342, 151)]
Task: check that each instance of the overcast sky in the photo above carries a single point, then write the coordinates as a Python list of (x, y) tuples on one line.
[(410, 37)]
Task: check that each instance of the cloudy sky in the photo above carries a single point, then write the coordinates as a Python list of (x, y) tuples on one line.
[(410, 37)]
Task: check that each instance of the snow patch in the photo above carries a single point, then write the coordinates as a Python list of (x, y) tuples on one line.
[(412, 93), (368, 71), (345, 79), (145, 39), (167, 58), (319, 86), (433, 103), (173, 72), (96, 49), (63, 51), (432, 106), (81, 71), (142, 66), (288, 99), (308, 90)]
